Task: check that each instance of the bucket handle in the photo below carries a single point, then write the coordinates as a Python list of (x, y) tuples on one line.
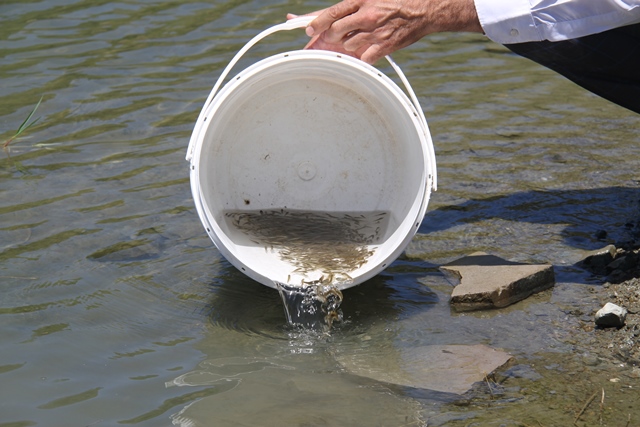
[(292, 24)]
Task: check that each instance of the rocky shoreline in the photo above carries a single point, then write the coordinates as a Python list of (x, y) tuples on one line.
[(619, 266)]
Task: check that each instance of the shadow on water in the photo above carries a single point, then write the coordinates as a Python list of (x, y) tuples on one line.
[(242, 304), (591, 218)]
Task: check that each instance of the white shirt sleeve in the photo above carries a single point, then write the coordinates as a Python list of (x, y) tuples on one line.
[(518, 21)]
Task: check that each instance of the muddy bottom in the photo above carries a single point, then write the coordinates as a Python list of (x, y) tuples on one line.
[(552, 389)]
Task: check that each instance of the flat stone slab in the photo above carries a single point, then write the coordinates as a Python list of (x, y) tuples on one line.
[(443, 368), (488, 281)]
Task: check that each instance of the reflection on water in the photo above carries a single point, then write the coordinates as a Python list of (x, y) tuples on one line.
[(111, 290)]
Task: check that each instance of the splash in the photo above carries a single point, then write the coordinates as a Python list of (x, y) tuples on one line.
[(315, 306)]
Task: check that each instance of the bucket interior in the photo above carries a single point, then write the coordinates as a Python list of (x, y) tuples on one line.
[(302, 139)]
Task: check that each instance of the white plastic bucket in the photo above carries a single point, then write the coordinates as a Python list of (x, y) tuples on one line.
[(313, 135)]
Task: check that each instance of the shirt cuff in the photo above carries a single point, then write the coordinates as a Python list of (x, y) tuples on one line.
[(507, 21)]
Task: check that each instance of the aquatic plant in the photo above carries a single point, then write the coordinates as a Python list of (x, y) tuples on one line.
[(25, 125)]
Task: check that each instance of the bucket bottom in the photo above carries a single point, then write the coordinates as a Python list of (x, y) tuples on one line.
[(301, 247)]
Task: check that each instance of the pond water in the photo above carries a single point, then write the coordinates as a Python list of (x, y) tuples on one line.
[(117, 309)]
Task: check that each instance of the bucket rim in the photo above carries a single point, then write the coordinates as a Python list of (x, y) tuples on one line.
[(305, 54)]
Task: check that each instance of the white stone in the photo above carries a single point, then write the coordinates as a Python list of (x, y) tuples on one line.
[(611, 315)]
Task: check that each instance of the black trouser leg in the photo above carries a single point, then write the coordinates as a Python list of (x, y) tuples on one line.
[(607, 64)]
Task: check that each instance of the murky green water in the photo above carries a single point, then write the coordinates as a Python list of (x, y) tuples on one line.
[(116, 308)]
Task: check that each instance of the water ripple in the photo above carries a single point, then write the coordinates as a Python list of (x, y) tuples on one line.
[(112, 288)]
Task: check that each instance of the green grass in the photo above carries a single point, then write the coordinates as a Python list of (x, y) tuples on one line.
[(25, 125)]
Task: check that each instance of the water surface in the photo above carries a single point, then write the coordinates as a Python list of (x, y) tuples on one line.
[(117, 310)]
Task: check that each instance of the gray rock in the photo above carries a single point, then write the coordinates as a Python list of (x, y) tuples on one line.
[(611, 315), (590, 360), (597, 261), (620, 262), (487, 281), (522, 371)]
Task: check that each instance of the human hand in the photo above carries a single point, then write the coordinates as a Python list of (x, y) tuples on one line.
[(319, 41), (371, 29)]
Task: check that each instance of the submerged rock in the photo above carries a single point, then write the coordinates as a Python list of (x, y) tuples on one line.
[(442, 368), (611, 315), (487, 281)]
